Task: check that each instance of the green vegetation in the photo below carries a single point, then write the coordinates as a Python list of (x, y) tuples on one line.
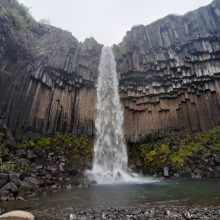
[(6, 166), (61, 144), (4, 73), (159, 154), (20, 15), (19, 20), (16, 84)]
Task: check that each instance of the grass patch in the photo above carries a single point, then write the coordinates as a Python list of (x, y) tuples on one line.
[(159, 154), (61, 144), (7, 166)]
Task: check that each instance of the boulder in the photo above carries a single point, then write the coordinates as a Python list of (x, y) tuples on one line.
[(17, 215), (34, 181), (166, 171), (14, 177), (217, 158), (217, 168), (3, 179), (11, 187), (26, 185), (73, 172), (5, 195)]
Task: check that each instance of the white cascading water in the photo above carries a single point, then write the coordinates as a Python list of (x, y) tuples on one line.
[(110, 152)]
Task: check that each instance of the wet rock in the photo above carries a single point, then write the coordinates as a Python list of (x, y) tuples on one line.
[(196, 176), (34, 181), (11, 187), (61, 165), (14, 177), (132, 166), (39, 167), (31, 156), (3, 179), (5, 195), (166, 171), (20, 198), (92, 182), (21, 152), (72, 217), (49, 176), (217, 168), (24, 162), (187, 215), (176, 175), (69, 186), (52, 169), (73, 172), (217, 158), (25, 185)]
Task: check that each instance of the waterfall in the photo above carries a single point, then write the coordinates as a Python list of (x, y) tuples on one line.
[(110, 152)]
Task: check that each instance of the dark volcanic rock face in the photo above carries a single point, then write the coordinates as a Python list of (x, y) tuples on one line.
[(46, 76), (170, 74)]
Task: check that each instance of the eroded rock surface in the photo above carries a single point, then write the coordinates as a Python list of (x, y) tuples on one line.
[(169, 74), (47, 77)]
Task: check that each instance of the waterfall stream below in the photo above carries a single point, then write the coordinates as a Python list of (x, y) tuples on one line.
[(110, 152)]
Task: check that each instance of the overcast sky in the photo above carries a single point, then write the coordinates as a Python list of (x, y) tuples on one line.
[(106, 20)]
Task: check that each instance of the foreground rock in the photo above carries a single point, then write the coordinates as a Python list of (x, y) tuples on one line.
[(17, 215), (136, 213)]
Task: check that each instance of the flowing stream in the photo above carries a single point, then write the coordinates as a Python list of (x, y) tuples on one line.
[(110, 152)]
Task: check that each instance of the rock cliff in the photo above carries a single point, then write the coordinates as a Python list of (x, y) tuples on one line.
[(46, 76), (169, 75)]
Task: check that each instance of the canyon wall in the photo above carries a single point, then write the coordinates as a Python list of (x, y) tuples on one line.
[(169, 75), (47, 77)]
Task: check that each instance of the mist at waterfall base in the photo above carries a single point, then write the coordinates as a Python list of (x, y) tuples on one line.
[(110, 152)]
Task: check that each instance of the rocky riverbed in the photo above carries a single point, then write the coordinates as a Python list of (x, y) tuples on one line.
[(177, 213)]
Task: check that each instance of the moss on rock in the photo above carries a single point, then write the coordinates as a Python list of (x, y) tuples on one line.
[(180, 152)]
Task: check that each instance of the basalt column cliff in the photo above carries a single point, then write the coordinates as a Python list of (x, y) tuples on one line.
[(170, 74), (46, 76)]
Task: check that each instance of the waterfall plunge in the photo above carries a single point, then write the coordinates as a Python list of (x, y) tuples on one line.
[(110, 152)]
